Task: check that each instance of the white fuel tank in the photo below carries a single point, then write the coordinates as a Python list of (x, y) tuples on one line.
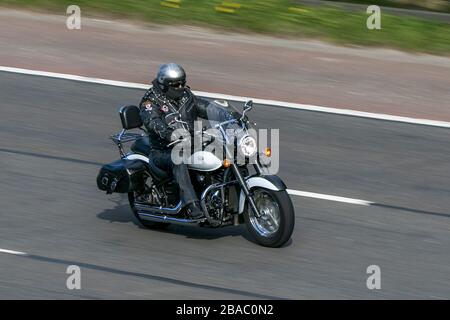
[(204, 161)]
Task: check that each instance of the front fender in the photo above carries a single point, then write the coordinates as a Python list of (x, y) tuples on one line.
[(270, 182)]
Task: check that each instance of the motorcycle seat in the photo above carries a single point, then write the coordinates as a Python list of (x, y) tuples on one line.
[(141, 146)]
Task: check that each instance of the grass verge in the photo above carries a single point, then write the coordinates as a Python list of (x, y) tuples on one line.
[(275, 17), (429, 5)]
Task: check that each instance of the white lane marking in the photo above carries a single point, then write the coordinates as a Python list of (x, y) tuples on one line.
[(298, 106), (18, 253), (329, 197), (75, 78)]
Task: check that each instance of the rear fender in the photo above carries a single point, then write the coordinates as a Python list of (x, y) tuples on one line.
[(134, 156)]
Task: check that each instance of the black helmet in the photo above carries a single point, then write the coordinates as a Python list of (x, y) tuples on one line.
[(172, 80)]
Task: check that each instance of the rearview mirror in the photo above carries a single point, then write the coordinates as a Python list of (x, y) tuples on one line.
[(247, 107)]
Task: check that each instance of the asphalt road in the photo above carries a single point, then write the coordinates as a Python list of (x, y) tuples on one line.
[(54, 137)]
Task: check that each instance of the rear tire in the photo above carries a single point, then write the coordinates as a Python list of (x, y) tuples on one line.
[(279, 208), (145, 223)]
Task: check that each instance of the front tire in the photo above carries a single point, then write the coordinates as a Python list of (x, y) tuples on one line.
[(145, 223), (276, 224)]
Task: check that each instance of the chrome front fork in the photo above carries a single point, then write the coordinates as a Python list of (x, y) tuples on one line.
[(244, 187)]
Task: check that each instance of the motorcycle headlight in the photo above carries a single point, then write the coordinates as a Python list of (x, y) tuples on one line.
[(247, 145)]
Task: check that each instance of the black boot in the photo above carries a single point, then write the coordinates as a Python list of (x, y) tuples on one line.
[(194, 211)]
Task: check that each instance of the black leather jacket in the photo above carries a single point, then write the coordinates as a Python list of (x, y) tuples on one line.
[(155, 106)]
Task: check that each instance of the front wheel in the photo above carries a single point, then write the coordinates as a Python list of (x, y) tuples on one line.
[(145, 223), (275, 225)]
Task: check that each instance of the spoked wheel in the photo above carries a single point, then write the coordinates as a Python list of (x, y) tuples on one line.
[(276, 222), (145, 223)]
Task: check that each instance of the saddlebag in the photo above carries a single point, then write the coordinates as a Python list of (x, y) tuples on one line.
[(122, 176)]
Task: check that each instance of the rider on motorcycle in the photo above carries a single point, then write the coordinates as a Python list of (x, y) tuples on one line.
[(168, 94)]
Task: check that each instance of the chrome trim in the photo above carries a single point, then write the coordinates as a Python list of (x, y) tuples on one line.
[(123, 136), (247, 107), (269, 221), (168, 219), (145, 208), (245, 136), (205, 192), (225, 122)]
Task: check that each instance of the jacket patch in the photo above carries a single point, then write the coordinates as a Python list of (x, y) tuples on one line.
[(147, 105)]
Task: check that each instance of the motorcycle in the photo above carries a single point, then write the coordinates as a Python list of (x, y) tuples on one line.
[(231, 192)]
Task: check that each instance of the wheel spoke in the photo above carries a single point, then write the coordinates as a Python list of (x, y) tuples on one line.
[(269, 221), (274, 220)]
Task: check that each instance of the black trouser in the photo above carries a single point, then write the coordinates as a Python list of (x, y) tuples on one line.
[(163, 160)]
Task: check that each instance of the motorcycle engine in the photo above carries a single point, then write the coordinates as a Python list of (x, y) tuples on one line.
[(214, 204), (216, 200)]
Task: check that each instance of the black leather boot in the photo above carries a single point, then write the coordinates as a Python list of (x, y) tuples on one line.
[(194, 210)]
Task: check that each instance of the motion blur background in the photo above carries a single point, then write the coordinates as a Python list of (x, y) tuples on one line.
[(54, 138), (334, 21)]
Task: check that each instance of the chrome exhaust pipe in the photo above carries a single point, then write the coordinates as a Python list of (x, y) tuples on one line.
[(168, 219), (162, 214), (158, 210)]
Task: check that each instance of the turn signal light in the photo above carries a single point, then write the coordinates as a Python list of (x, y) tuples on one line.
[(268, 152), (226, 163)]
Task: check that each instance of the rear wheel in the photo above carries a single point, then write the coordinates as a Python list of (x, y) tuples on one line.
[(145, 223), (275, 225)]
